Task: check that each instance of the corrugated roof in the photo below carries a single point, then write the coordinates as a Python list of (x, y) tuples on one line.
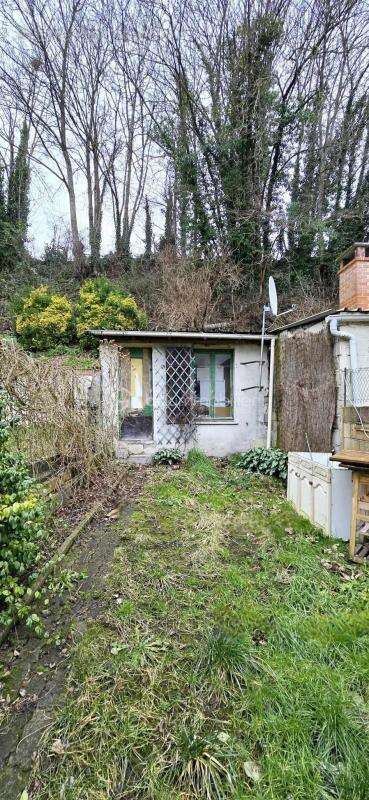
[(300, 323), (177, 335)]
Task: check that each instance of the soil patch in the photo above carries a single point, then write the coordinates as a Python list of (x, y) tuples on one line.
[(33, 671)]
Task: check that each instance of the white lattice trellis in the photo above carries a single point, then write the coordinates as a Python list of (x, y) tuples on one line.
[(175, 402)]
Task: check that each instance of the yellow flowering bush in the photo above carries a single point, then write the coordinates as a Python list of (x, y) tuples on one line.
[(101, 305), (44, 320)]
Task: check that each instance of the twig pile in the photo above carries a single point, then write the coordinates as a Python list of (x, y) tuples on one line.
[(55, 424)]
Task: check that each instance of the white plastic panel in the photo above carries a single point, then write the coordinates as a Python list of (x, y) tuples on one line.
[(322, 491)]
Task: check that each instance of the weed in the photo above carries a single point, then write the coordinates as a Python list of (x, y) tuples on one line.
[(200, 465), (65, 581), (226, 654), (199, 762)]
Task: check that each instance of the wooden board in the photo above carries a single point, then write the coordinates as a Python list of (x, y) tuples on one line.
[(354, 457)]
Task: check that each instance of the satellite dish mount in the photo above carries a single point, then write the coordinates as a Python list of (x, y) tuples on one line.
[(270, 308)]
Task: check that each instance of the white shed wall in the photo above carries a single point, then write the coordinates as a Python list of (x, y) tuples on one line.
[(248, 428), (214, 437)]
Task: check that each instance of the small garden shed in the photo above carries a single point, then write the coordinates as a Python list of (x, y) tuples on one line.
[(183, 389)]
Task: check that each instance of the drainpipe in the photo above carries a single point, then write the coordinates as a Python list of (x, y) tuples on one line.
[(334, 322), (270, 397)]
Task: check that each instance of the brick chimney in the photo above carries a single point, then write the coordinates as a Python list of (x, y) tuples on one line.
[(354, 277)]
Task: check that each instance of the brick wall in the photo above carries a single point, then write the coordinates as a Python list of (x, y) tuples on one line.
[(354, 284)]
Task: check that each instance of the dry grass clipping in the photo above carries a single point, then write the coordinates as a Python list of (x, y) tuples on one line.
[(55, 425), (306, 392)]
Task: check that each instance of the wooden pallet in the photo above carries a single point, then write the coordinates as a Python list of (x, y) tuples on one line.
[(361, 555)]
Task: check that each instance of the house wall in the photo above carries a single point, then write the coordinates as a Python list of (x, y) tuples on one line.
[(87, 389), (343, 361), (341, 353), (215, 437)]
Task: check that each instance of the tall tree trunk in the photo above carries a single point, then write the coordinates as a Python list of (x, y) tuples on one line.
[(77, 246), (97, 215)]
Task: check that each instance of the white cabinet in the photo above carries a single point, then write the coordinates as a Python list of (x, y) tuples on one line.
[(322, 491)]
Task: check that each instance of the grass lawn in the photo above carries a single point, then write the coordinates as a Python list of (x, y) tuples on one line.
[(234, 660)]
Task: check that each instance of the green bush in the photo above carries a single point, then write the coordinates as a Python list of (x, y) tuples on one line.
[(21, 528), (271, 462), (169, 455), (44, 320), (102, 305)]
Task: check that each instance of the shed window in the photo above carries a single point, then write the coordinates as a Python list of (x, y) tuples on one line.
[(214, 383)]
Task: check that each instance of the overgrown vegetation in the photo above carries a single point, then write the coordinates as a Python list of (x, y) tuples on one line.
[(55, 424), (21, 529), (272, 462), (233, 662), (261, 170)]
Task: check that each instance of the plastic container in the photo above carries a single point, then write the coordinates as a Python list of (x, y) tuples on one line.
[(322, 491)]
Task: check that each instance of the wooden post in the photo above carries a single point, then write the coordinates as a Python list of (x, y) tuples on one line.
[(355, 497)]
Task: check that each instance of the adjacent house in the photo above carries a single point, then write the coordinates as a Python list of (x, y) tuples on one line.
[(323, 366)]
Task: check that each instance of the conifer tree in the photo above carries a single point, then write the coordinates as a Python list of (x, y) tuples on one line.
[(2, 198), (169, 237), (18, 193)]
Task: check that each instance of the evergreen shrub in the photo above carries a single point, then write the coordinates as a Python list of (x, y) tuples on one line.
[(44, 320), (102, 305), (270, 461)]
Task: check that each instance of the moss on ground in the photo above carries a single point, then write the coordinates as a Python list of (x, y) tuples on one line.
[(233, 662)]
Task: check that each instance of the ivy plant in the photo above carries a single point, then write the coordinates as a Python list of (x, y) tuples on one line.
[(21, 529), (271, 462), (169, 455)]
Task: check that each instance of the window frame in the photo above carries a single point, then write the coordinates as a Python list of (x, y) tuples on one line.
[(213, 353)]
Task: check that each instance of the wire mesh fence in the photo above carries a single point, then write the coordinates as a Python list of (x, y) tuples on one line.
[(356, 387)]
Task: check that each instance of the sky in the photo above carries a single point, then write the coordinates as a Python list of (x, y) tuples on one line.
[(49, 210)]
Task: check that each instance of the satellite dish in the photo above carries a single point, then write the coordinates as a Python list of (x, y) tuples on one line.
[(273, 299)]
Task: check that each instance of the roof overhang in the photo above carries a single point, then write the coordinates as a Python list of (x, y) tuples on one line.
[(306, 321), (300, 323), (178, 336)]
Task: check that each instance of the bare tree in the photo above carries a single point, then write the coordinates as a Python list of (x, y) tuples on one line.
[(131, 107), (38, 52), (90, 118)]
